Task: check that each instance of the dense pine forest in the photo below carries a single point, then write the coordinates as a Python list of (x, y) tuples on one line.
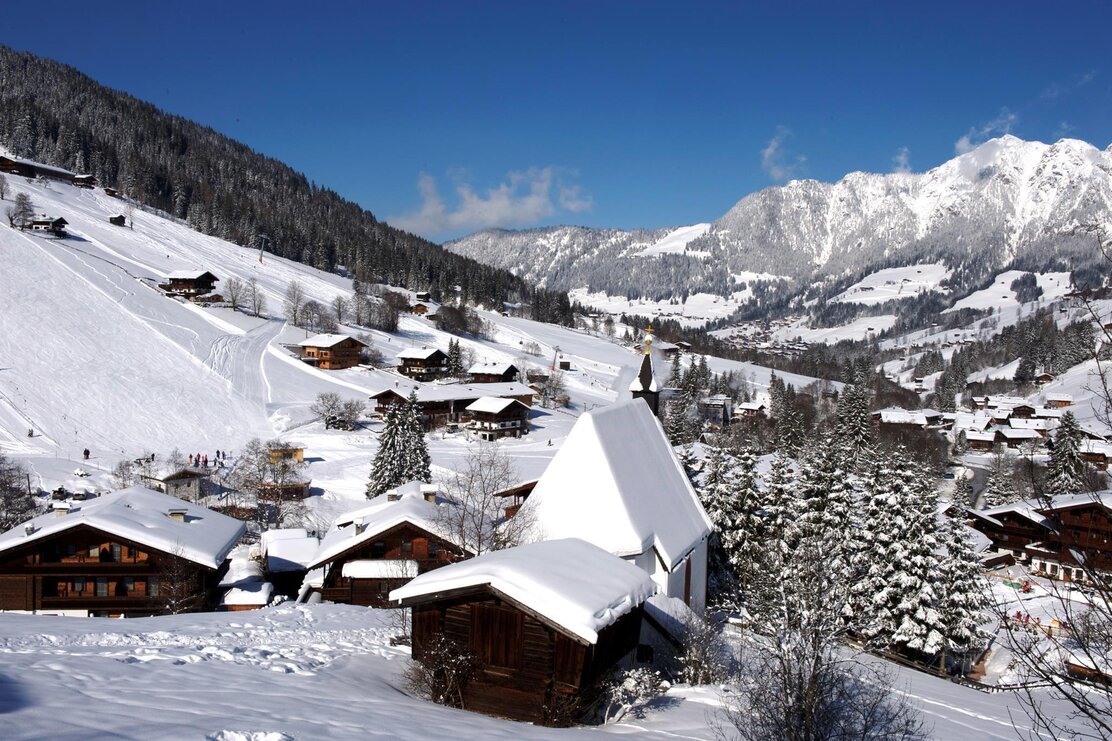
[(52, 113)]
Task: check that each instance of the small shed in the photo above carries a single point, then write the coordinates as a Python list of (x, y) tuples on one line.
[(544, 622), (117, 220)]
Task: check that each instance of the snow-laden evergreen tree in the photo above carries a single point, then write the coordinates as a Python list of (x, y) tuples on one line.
[(780, 504), (418, 463), (1065, 473), (915, 615), (744, 538), (455, 359), (715, 489), (961, 589), (1000, 487), (853, 429), (824, 498), (675, 378), (388, 468), (963, 491)]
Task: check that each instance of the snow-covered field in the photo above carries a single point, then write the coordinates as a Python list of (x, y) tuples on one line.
[(676, 241), (895, 283), (695, 312), (861, 328), (1000, 297), (317, 671)]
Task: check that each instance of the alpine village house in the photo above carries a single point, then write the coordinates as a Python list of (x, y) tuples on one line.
[(331, 351), (127, 553)]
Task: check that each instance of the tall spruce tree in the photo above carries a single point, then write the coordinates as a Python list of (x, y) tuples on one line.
[(418, 463), (853, 429), (962, 592), (1000, 488), (388, 466), (1066, 471)]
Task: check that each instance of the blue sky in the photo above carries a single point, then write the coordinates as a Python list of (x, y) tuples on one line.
[(448, 117)]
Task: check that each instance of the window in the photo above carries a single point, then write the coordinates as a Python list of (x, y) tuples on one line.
[(378, 549), (71, 549), (102, 586), (117, 552), (49, 587), (78, 584), (94, 551), (152, 586), (407, 548), (434, 549)]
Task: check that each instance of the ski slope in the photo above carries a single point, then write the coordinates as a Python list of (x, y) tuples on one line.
[(894, 283)]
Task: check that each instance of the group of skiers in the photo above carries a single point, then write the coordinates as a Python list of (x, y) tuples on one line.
[(202, 461)]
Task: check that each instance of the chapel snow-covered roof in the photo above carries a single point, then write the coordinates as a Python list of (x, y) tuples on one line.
[(142, 515), (406, 504), (572, 584), (617, 483), (326, 340)]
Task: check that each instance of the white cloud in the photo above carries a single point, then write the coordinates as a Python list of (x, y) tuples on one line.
[(522, 198), (777, 161), (1063, 130), (977, 135), (901, 161)]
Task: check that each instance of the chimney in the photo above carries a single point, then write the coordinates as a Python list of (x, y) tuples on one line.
[(177, 515), (429, 492), (61, 509), (360, 526), (29, 528)]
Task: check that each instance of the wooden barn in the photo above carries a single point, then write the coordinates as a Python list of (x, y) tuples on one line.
[(44, 223), (423, 363), (382, 546), (122, 554), (544, 622), (493, 417), (616, 482), (31, 169), (332, 351), (493, 373), (189, 283), (117, 220)]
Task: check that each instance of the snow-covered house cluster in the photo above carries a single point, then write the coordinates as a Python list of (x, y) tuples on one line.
[(376, 548), (124, 554), (1068, 538), (617, 483), (442, 404), (545, 621)]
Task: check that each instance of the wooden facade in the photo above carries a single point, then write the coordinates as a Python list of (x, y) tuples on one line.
[(190, 285), (510, 421), (429, 367), (492, 373), (529, 668), (332, 354), (450, 406), (30, 169), (85, 569), (403, 543), (57, 226)]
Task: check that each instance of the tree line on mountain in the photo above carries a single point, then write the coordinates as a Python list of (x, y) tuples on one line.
[(52, 113)]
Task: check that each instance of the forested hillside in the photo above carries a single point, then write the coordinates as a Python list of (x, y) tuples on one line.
[(54, 114)]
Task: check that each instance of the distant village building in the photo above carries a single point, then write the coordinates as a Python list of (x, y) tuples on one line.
[(423, 363), (376, 548), (289, 451), (189, 283), (493, 417), (120, 554), (331, 351), (616, 482), (445, 404), (718, 409), (56, 226), (493, 372), (117, 220), (546, 622), (899, 417), (1059, 401), (84, 181), (31, 169), (112, 192), (426, 308), (186, 482)]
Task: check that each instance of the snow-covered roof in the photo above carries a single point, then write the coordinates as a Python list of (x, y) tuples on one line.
[(418, 353), (1019, 433), (1048, 413), (751, 406), (575, 586), (900, 416), (406, 504), (326, 340), (1064, 501), (429, 392), (616, 483), (491, 368), (142, 515), (41, 166), (1032, 424), (289, 549), (379, 568), (1097, 447), (188, 274), (1060, 397), (256, 593), (493, 405), (980, 435), (646, 378)]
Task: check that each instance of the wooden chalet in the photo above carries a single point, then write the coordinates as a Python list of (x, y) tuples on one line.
[(1059, 401), (188, 483), (31, 169), (750, 409), (444, 404), (493, 373), (121, 554), (111, 192), (515, 496), (718, 409), (1044, 378), (899, 417), (331, 351), (84, 181), (382, 546), (1068, 537), (285, 452), (980, 439), (423, 363), (1096, 453), (493, 417), (426, 308), (117, 220), (44, 223), (189, 283), (545, 622), (616, 482)]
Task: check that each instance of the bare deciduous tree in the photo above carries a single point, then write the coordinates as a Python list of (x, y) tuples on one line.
[(255, 297), (441, 671), (340, 308), (270, 478), (3, 187), (233, 292), (294, 302), (179, 583), (478, 522)]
